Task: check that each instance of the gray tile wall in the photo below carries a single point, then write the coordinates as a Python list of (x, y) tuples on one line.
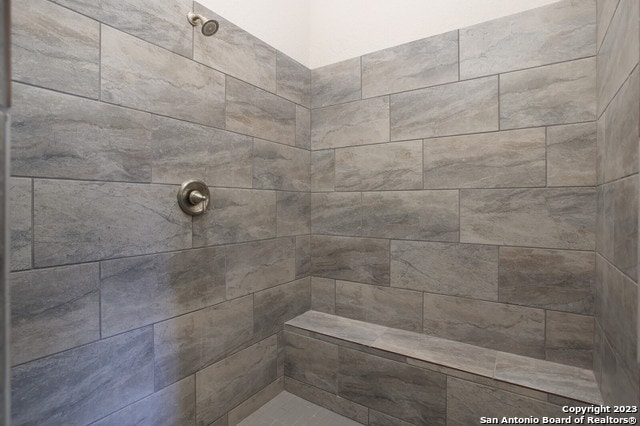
[(125, 309), (616, 363), (452, 184)]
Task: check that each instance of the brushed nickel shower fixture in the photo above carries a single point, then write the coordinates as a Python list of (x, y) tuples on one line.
[(193, 197), (209, 26)]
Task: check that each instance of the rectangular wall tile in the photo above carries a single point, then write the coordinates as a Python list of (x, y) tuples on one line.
[(354, 259), (303, 256), (135, 73), (415, 215), (277, 305), (571, 155), (143, 290), (322, 170), (516, 329), (229, 382), (78, 386), (236, 52), (311, 361), (619, 53), (323, 295), (259, 265), (217, 157), (64, 56), (109, 220), (173, 405), (552, 279), (554, 218), (353, 123), (294, 213), (236, 215), (336, 83), (555, 33), (387, 306), (336, 213), (53, 310), (256, 401), (20, 226), (409, 393), (553, 94), (625, 228), (617, 383), (186, 344), (277, 166), (293, 80), (604, 13), (421, 63), (486, 160), (303, 127), (61, 136), (379, 167), (453, 269), (569, 339)]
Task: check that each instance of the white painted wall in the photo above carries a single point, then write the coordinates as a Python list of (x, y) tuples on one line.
[(322, 32)]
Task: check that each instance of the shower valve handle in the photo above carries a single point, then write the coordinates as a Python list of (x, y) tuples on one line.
[(196, 197)]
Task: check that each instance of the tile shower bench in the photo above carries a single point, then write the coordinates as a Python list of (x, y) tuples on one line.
[(384, 376)]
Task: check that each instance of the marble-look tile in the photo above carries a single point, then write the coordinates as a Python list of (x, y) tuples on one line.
[(185, 344), (144, 290), (355, 259), (236, 215), (452, 354), (409, 393), (160, 24), (560, 280), (259, 265), (605, 224), (552, 94), (56, 48), (486, 160), (380, 419), (322, 170), (604, 12), (256, 401), (303, 256), (336, 83), (499, 326), (20, 226), (617, 382), (303, 127), (282, 343), (415, 215), (559, 32), (61, 136), (467, 402), (625, 228), (278, 166), (569, 339), (173, 405), (53, 310), (293, 80), (84, 384), (619, 125), (227, 383), (600, 149), (222, 421), (108, 220), (294, 213), (311, 361), (182, 151), (137, 74), (346, 329), (454, 269), (336, 213), (571, 382), (236, 52), (379, 167), (554, 218), (450, 109), (571, 155), (350, 124), (386, 306), (619, 53), (277, 305), (258, 113), (421, 63), (327, 400), (323, 295)]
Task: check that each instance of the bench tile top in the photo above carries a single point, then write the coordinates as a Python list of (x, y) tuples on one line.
[(363, 333)]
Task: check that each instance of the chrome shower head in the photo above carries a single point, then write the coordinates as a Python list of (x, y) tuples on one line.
[(209, 26)]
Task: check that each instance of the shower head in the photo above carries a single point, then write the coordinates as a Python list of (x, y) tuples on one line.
[(209, 26)]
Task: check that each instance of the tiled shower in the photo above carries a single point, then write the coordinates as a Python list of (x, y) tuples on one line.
[(480, 185)]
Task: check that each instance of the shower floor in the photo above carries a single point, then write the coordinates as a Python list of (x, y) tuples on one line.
[(288, 409)]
